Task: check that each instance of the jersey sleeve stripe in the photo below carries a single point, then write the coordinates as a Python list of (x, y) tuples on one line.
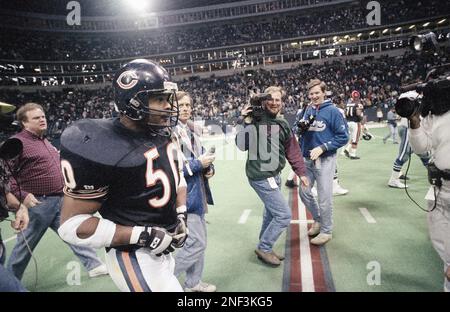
[(84, 194)]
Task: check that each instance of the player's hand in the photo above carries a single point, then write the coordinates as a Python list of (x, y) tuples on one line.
[(30, 201), (246, 110), (22, 219), (316, 152), (414, 120), (157, 239), (206, 159), (181, 232)]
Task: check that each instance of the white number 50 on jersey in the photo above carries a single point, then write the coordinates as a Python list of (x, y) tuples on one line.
[(152, 176)]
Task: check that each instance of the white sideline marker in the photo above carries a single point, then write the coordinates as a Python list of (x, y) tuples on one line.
[(244, 216), (366, 214), (305, 251), (302, 221), (10, 239)]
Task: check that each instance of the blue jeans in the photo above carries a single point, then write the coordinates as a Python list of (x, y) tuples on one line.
[(191, 258), (277, 214), (8, 282), (323, 173), (43, 216)]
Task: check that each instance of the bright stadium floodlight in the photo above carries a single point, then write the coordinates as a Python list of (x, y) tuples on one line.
[(138, 5), (442, 21)]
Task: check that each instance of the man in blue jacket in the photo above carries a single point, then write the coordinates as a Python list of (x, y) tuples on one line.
[(322, 130), (198, 168)]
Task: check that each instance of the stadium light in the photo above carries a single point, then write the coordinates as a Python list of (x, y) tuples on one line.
[(442, 21), (412, 26), (359, 35), (426, 24), (138, 5), (385, 31), (398, 29), (372, 33)]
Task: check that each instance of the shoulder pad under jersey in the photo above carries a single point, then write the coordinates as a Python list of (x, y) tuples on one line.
[(96, 140)]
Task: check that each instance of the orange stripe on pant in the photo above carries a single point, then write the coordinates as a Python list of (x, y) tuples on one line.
[(131, 273)]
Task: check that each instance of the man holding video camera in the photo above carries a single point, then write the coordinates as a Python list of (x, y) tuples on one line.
[(432, 134), (269, 141)]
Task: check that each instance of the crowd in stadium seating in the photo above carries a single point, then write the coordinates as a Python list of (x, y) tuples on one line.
[(377, 80), (41, 46)]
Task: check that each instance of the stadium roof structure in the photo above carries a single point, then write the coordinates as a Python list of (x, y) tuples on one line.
[(105, 7)]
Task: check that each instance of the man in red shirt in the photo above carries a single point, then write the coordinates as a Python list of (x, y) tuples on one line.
[(38, 183)]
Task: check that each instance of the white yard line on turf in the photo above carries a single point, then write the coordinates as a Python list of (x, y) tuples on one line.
[(244, 216), (302, 221), (10, 239), (366, 214)]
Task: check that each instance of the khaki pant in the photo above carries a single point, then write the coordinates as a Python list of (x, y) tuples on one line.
[(439, 227)]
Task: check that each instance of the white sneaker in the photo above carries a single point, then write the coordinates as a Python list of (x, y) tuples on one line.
[(321, 239), (201, 287), (339, 190), (315, 229), (100, 270), (314, 191), (396, 183)]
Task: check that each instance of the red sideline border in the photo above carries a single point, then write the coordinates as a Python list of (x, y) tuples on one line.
[(293, 272)]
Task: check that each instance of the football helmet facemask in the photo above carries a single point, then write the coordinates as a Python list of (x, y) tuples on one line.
[(138, 81)]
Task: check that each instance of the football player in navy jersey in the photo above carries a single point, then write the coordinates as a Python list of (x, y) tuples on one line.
[(128, 170), (354, 113)]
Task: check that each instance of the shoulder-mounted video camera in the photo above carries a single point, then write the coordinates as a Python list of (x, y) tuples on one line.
[(435, 98), (435, 91), (256, 102)]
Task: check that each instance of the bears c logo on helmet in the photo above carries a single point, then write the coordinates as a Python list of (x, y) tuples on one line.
[(127, 80)]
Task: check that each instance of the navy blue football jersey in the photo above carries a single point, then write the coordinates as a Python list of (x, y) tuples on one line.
[(353, 111), (135, 175)]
